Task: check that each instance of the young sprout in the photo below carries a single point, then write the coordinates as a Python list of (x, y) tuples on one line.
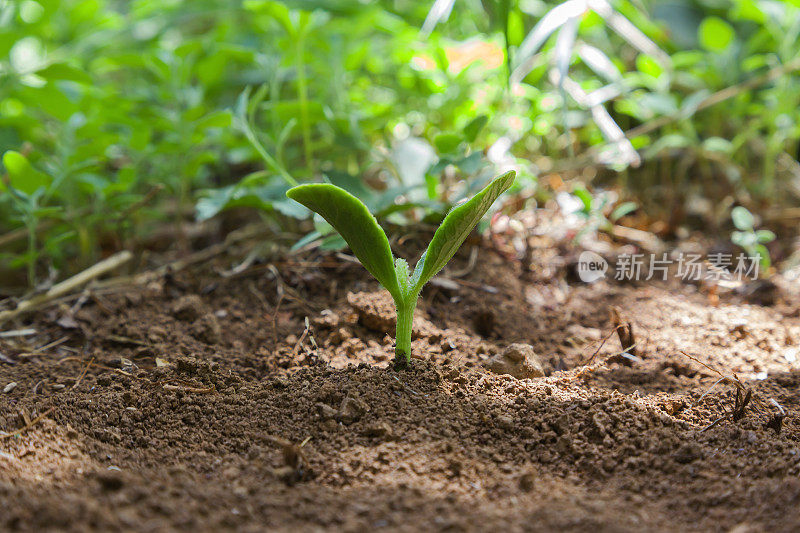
[(369, 243)]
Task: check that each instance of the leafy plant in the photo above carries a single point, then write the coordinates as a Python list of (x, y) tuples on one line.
[(565, 20), (598, 212), (27, 188), (352, 219), (338, 90), (751, 240)]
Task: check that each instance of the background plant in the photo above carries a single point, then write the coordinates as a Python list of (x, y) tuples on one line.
[(751, 240), (135, 110)]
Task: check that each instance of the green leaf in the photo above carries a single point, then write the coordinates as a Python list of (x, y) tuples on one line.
[(718, 144), (401, 272), (742, 218), (287, 109), (623, 209), (474, 127), (21, 174), (745, 239), (584, 196), (351, 218), (648, 65), (332, 243), (277, 10), (447, 142), (471, 163), (216, 119), (305, 241), (515, 28), (764, 236), (249, 192), (454, 230), (62, 71), (715, 34)]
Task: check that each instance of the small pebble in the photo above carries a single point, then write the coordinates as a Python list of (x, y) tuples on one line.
[(447, 346), (505, 422), (518, 360), (325, 411), (378, 430), (352, 409)]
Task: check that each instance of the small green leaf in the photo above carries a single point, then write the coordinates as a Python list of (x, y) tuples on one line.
[(454, 229), (447, 142), (764, 236), (401, 271), (305, 241), (715, 34), (718, 144), (63, 71), (351, 218), (21, 174), (648, 65), (252, 191), (471, 163), (276, 9), (745, 239), (515, 28), (332, 243), (585, 197), (216, 119), (742, 218), (625, 208), (474, 127)]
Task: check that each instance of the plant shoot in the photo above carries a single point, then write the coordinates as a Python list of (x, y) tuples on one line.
[(351, 218)]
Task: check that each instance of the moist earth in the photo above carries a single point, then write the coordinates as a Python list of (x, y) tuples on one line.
[(265, 399)]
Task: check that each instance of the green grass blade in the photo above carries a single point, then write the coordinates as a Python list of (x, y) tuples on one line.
[(455, 228), (351, 218)]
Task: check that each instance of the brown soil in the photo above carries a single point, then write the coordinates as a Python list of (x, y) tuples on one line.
[(202, 402)]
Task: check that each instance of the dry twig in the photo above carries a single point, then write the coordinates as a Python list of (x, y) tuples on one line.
[(83, 374), (28, 424), (744, 396), (67, 286)]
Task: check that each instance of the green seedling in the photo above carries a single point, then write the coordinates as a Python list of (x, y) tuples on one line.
[(753, 241), (28, 188), (351, 218)]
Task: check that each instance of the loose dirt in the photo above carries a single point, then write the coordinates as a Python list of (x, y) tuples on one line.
[(264, 399)]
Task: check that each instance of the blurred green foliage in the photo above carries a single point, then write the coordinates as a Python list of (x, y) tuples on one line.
[(117, 117)]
